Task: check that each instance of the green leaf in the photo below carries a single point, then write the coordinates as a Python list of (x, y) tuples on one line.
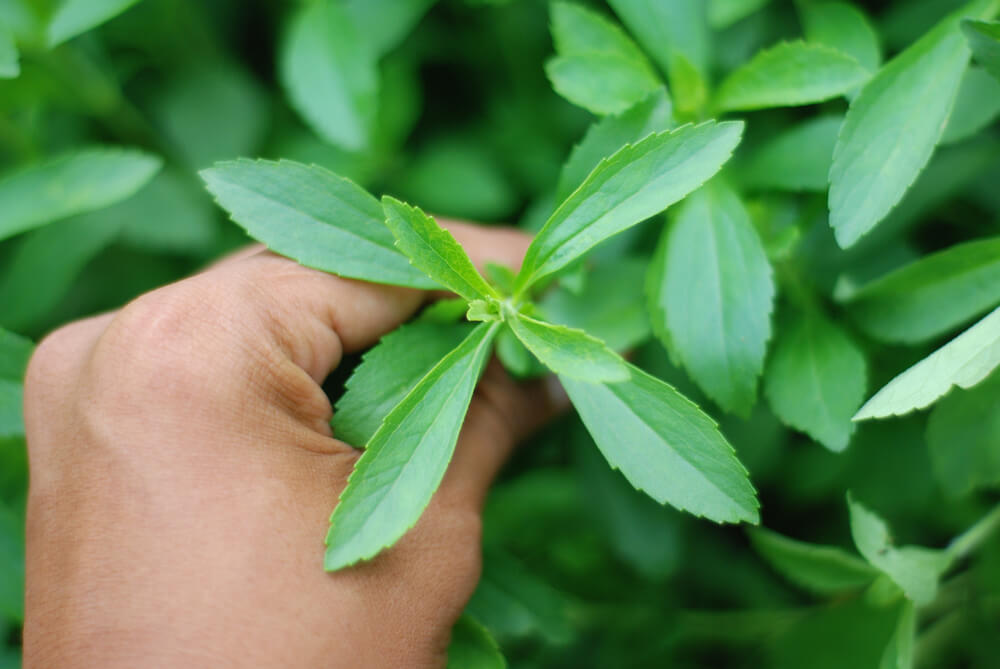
[(598, 67), (932, 295), (11, 565), (313, 216), (172, 214), (10, 65), (796, 159), (665, 446), (611, 133), (472, 647), (71, 184), (434, 251), (329, 74), (984, 38), (14, 353), (572, 353), (899, 653), (635, 183), (11, 402), (387, 374), (977, 105), (964, 361), (711, 294), (788, 75), (666, 28), (73, 17), (842, 26), (825, 570), (724, 13), (963, 438), (815, 380), (406, 458), (914, 569), (384, 23), (513, 603), (892, 127)]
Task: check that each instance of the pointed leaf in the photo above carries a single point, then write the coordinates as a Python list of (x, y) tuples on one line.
[(964, 361), (313, 216), (73, 17), (815, 380), (387, 374), (842, 26), (567, 351), (665, 446), (406, 458), (796, 159), (668, 27), (932, 295), (329, 74), (384, 23), (472, 647), (892, 127), (724, 13), (820, 569), (433, 250), (635, 183), (899, 653), (914, 569), (71, 184), (712, 294), (789, 75), (984, 37)]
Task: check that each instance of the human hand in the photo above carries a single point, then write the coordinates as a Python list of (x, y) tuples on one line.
[(183, 470)]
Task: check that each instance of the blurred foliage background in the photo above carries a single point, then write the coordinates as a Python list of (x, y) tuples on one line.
[(452, 110)]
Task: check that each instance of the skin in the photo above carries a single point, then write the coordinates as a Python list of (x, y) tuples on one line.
[(183, 471)]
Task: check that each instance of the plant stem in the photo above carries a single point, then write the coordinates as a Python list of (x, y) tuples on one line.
[(969, 540)]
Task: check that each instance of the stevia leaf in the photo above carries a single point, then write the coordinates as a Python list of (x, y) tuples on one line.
[(984, 38), (892, 127), (11, 401), (711, 294), (433, 250), (14, 353), (11, 564), (73, 17), (964, 361), (796, 159), (171, 214), (329, 74), (815, 380), (789, 75), (600, 82), (724, 13), (313, 216), (821, 569), (665, 446), (384, 23), (577, 30), (914, 569), (900, 650), (666, 28), (932, 295), (71, 184), (611, 133), (842, 26), (406, 458), (635, 183), (568, 351), (963, 438), (976, 106), (10, 63), (387, 374), (472, 647)]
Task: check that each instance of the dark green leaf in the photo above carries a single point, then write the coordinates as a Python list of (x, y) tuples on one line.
[(567, 351), (821, 569), (984, 37), (14, 353), (11, 564), (472, 647), (977, 105), (796, 159)]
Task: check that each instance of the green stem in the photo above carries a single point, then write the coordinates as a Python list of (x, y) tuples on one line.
[(969, 540)]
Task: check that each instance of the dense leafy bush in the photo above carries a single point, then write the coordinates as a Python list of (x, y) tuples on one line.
[(829, 173)]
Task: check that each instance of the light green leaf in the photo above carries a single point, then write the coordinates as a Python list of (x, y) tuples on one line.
[(665, 446), (384, 23), (387, 374), (690, 89), (611, 133), (825, 570), (892, 127), (724, 13), (668, 27), (14, 353), (964, 361), (515, 357), (71, 184), (11, 400), (10, 65), (899, 653), (635, 183), (434, 251), (963, 438), (711, 295), (567, 351), (406, 458), (788, 75), (815, 380), (329, 74), (472, 647), (73, 17), (172, 214), (984, 37), (313, 216), (844, 27), (914, 569), (977, 105), (932, 295), (796, 159)]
